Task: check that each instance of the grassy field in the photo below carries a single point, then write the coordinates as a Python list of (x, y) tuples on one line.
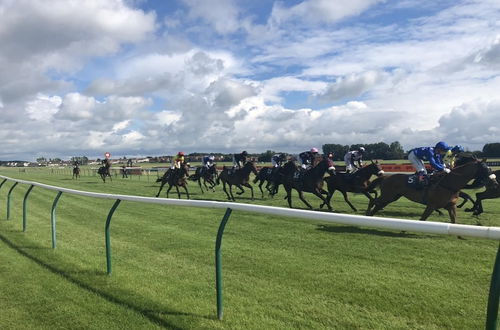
[(279, 273)]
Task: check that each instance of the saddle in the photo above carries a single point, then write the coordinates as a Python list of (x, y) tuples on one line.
[(420, 182)]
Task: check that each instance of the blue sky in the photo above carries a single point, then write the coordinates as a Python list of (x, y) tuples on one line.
[(144, 77)]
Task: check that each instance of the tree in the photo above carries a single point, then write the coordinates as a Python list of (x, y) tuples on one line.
[(41, 160), (266, 156), (338, 150), (491, 150)]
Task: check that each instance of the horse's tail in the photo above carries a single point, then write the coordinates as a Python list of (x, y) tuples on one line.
[(159, 179), (375, 183), (193, 177)]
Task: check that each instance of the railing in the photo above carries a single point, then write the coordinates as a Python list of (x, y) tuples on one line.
[(492, 233)]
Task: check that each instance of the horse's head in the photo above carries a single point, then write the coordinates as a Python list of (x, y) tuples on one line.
[(251, 166), (185, 168), (375, 168)]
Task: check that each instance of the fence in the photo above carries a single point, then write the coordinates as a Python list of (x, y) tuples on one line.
[(492, 233)]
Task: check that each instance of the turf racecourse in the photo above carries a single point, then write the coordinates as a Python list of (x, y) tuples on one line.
[(279, 273)]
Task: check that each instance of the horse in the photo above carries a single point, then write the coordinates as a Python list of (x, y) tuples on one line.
[(175, 177), (103, 171), (207, 174), (76, 172), (239, 177), (308, 181), (269, 175), (442, 193), (356, 182), (492, 191)]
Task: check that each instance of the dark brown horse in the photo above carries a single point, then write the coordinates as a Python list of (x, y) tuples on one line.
[(309, 181), (237, 177), (268, 175), (207, 174), (176, 177), (443, 193), (492, 191), (76, 172), (103, 171), (356, 182)]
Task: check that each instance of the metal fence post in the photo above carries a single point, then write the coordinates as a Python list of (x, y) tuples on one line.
[(108, 238), (8, 199), (218, 263), (53, 218), (492, 313), (25, 207)]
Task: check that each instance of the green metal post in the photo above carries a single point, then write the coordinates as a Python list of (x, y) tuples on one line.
[(25, 206), (8, 199), (108, 238), (492, 314), (53, 219), (218, 263)]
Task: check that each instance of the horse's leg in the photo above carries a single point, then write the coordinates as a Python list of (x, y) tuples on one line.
[(301, 196), (251, 189), (328, 198), (288, 196), (231, 192), (428, 211), (225, 190), (344, 193), (178, 192), (260, 187), (186, 189), (161, 187), (452, 211), (466, 198), (318, 193), (199, 183), (168, 190), (379, 203)]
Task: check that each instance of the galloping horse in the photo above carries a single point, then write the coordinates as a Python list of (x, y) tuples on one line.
[(269, 175), (238, 178), (207, 174), (356, 182), (76, 172), (103, 171), (310, 181), (175, 177), (492, 191), (441, 194)]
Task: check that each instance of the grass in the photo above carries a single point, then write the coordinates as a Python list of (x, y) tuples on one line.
[(279, 273)]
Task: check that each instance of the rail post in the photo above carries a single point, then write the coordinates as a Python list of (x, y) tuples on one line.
[(218, 263), (25, 200), (8, 199), (108, 237), (492, 313), (1, 183), (53, 218)]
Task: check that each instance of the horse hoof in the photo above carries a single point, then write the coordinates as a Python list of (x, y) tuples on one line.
[(469, 210)]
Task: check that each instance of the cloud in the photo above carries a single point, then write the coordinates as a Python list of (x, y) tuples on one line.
[(351, 86), (222, 15), (320, 11)]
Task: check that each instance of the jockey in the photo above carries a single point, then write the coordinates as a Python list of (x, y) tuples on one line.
[(433, 155), (307, 158), (354, 156), (451, 155), (178, 160), (106, 162), (208, 161), (240, 159), (278, 159)]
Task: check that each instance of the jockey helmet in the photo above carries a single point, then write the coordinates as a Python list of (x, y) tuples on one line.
[(314, 150), (361, 149), (457, 149), (442, 145), (180, 153), (244, 153)]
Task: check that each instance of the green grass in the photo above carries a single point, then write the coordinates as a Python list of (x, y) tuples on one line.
[(279, 273)]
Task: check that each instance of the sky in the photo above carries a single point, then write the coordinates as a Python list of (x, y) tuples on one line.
[(146, 78)]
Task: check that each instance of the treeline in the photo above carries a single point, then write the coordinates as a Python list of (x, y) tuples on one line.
[(380, 150)]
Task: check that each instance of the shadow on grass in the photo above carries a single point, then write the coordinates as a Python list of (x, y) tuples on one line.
[(365, 231), (147, 313)]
